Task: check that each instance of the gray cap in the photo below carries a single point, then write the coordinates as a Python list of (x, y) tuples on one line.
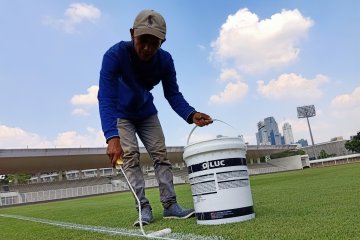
[(150, 22)]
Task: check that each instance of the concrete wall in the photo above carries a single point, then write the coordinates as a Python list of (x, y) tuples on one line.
[(291, 163), (334, 147)]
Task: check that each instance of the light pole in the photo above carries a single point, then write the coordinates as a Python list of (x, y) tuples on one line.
[(306, 112)]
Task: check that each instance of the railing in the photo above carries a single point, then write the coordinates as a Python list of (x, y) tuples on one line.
[(12, 198), (49, 195), (256, 171), (335, 160), (71, 192), (9, 198)]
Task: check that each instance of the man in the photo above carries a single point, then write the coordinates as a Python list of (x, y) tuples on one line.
[(129, 71)]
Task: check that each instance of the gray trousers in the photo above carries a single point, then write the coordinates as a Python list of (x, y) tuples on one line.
[(151, 135)]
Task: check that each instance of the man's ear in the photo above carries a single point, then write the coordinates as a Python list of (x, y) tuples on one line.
[(132, 33)]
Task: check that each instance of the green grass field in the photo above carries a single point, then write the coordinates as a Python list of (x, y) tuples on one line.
[(320, 203)]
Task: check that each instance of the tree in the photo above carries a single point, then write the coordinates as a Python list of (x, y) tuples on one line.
[(323, 154), (4, 179), (354, 144), (287, 153)]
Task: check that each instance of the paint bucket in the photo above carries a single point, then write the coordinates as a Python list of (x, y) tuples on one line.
[(219, 180)]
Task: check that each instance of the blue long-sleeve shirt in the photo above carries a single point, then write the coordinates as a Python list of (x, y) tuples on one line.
[(125, 84)]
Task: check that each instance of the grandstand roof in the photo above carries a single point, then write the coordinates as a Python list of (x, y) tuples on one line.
[(60, 159)]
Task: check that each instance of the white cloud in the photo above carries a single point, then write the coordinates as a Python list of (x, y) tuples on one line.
[(253, 45), (76, 14), (11, 137), (233, 92), (229, 74), (345, 112), (88, 99), (347, 101), (292, 86), (91, 138), (79, 12)]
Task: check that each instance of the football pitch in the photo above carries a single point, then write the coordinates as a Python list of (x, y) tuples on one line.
[(317, 203)]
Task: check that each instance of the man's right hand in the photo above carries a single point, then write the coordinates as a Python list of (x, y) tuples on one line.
[(114, 150), (201, 119)]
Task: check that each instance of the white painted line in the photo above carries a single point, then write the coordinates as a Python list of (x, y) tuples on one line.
[(110, 231)]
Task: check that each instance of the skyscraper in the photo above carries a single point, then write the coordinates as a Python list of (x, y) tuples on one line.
[(287, 132), (268, 132), (261, 135), (303, 142)]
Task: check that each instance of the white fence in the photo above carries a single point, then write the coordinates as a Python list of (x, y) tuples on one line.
[(352, 158), (153, 182), (71, 192), (12, 198), (256, 171)]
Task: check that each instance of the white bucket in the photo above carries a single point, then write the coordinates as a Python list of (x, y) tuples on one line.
[(219, 180)]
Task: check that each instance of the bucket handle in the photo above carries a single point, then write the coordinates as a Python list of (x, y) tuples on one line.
[(214, 120)]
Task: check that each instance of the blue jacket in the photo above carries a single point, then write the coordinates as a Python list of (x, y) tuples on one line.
[(125, 84)]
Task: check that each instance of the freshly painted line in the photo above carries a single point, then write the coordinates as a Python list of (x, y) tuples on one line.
[(110, 231)]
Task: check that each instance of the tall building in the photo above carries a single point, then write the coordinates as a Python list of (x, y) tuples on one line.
[(273, 131), (282, 140), (268, 132), (261, 135), (303, 142), (287, 132)]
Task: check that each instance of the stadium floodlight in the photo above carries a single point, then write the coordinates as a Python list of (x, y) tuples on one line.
[(306, 112)]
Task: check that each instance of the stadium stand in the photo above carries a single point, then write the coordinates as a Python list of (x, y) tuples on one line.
[(50, 186)]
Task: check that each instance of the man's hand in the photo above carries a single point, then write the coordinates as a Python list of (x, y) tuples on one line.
[(201, 119), (114, 150)]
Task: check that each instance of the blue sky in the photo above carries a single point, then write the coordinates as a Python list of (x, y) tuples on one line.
[(238, 61)]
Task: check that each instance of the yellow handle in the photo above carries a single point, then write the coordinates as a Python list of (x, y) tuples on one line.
[(119, 163)]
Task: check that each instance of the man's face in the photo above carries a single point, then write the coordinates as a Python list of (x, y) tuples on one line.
[(146, 46)]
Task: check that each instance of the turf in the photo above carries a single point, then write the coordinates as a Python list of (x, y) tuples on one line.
[(319, 203)]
